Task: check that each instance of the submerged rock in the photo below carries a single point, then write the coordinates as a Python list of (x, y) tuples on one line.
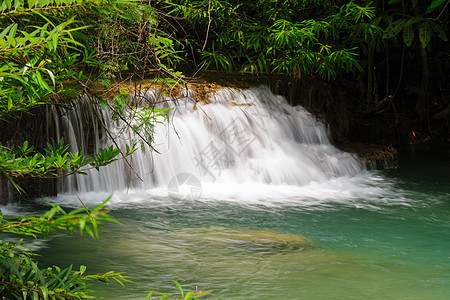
[(252, 239)]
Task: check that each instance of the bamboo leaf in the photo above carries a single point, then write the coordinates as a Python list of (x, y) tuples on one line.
[(42, 82), (38, 272), (6, 30), (10, 104), (22, 42), (55, 41), (180, 289), (12, 41), (3, 44), (52, 77), (149, 295), (12, 32), (95, 227), (14, 268), (99, 207), (44, 291), (33, 40)]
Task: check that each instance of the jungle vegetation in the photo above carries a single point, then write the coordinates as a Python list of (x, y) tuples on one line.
[(393, 56)]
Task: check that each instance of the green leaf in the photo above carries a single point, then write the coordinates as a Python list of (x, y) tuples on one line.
[(55, 41), (32, 3), (6, 30), (3, 44), (99, 207), (149, 295), (425, 34), (18, 4), (414, 20), (408, 35), (11, 40), (44, 291), (11, 180), (10, 104), (8, 4), (52, 77), (42, 82), (376, 21), (15, 269), (12, 32), (82, 269), (439, 31), (433, 5), (38, 272), (394, 28), (95, 227), (180, 289), (22, 41), (33, 40)]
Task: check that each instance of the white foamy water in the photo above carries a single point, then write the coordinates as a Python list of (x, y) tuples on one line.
[(266, 141), (249, 147), (359, 192)]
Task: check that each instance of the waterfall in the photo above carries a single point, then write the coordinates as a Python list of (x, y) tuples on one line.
[(249, 136)]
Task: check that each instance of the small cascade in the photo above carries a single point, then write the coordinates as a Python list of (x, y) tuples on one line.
[(250, 136)]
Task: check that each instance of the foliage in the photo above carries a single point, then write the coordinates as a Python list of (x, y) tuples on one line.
[(141, 119), (57, 219), (294, 37), (47, 45), (20, 276), (27, 72), (421, 24), (39, 49), (55, 162), (184, 296), (43, 45), (134, 40)]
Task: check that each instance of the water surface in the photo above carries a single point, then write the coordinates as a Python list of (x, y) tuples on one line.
[(380, 235)]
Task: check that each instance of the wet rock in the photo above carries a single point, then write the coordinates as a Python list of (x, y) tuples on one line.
[(375, 156)]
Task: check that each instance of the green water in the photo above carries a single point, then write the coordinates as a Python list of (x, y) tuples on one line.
[(395, 246)]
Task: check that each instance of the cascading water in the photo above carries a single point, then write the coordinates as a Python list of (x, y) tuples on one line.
[(250, 136), (282, 213)]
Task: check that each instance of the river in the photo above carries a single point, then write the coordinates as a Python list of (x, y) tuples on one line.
[(288, 216)]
